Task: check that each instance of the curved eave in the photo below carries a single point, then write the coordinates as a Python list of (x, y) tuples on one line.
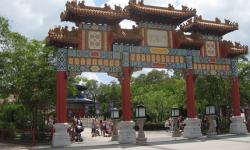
[(61, 43), (77, 14), (210, 28), (80, 100), (159, 14), (236, 51)]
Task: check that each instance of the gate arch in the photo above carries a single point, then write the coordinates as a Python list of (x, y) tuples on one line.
[(100, 45)]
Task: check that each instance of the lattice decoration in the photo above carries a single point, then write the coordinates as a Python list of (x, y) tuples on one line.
[(125, 59), (61, 60), (210, 48), (189, 62), (234, 67), (95, 40)]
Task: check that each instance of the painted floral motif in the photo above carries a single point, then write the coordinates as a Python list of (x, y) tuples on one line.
[(94, 40)]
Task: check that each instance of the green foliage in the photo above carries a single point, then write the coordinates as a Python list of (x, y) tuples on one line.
[(158, 93), (108, 93), (244, 76), (27, 72), (212, 90), (16, 114)]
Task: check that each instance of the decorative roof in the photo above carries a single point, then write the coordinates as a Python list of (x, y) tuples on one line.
[(81, 13), (80, 100), (62, 37), (126, 36), (166, 15), (234, 49), (197, 24), (193, 41)]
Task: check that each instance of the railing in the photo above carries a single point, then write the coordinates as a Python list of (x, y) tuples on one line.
[(26, 136), (87, 121)]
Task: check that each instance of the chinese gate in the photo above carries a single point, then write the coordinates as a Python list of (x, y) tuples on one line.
[(98, 44)]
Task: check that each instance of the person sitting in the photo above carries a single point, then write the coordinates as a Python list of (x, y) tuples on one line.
[(108, 129)]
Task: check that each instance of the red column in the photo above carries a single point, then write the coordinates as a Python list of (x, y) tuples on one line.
[(235, 91), (126, 95), (191, 113), (61, 89)]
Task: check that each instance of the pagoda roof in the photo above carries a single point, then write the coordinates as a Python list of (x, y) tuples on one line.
[(81, 13), (197, 24), (192, 41), (126, 36), (79, 100), (62, 37), (80, 87), (234, 49), (166, 15)]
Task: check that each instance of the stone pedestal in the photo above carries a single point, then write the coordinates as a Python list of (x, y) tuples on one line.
[(176, 128), (61, 137), (141, 140), (114, 131), (212, 127), (126, 132), (238, 126), (192, 128)]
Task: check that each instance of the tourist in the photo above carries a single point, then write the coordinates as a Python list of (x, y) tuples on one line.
[(93, 127), (104, 127), (167, 125)]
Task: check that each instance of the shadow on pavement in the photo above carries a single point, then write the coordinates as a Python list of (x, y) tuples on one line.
[(153, 144)]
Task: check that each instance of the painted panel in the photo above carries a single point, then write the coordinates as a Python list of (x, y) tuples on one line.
[(210, 48), (157, 38), (95, 40)]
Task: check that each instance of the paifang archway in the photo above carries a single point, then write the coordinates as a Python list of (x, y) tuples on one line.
[(98, 44)]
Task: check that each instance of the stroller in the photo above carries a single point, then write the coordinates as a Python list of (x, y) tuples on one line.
[(79, 129)]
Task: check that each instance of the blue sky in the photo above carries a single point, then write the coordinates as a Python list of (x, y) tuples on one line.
[(34, 18), (100, 2)]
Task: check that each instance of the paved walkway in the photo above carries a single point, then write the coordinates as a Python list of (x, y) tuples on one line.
[(157, 140)]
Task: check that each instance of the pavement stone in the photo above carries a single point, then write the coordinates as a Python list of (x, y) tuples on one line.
[(157, 140)]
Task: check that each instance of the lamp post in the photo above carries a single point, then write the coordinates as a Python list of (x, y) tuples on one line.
[(210, 113), (140, 113), (175, 113), (115, 117)]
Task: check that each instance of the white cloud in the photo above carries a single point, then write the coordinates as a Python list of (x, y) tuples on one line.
[(34, 18), (91, 76), (147, 70)]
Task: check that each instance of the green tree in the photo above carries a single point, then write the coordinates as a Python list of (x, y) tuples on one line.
[(27, 72)]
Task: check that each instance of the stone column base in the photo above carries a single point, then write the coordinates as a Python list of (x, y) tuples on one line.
[(212, 127), (126, 132), (61, 137), (141, 141), (192, 128), (238, 126)]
